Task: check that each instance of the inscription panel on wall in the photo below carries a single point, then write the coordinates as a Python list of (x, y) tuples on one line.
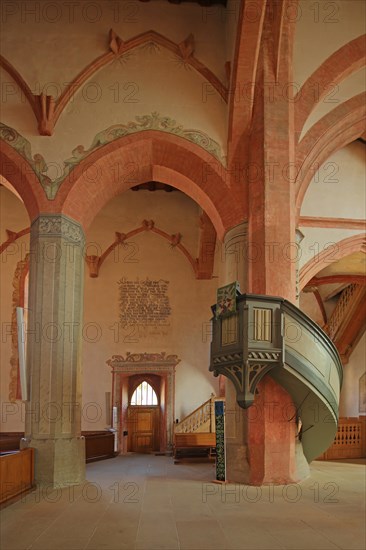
[(144, 306)]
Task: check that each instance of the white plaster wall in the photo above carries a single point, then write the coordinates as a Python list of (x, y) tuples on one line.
[(149, 82), (349, 401), (321, 29), (318, 239), (73, 39), (336, 95), (15, 109), (309, 305), (187, 333), (140, 84), (338, 188), (13, 216), (336, 191)]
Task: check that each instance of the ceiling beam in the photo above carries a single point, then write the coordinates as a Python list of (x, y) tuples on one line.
[(334, 279)]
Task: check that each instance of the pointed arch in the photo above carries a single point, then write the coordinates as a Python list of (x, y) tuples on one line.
[(48, 110), (150, 156), (335, 130), (345, 247), (341, 64), (20, 174), (144, 394)]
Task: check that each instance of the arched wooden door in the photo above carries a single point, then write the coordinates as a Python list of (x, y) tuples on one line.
[(143, 420)]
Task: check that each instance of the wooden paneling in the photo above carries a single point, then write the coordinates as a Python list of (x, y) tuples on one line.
[(363, 434), (10, 441), (98, 445), (16, 473), (195, 440), (192, 445)]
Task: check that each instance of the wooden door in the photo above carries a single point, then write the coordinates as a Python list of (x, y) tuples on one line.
[(143, 428)]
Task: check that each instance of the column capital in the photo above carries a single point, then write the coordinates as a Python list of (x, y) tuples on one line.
[(240, 230), (58, 226)]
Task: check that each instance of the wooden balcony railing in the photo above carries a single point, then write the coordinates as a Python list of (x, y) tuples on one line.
[(349, 441)]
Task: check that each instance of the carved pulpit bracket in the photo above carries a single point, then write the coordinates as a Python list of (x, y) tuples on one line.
[(248, 343)]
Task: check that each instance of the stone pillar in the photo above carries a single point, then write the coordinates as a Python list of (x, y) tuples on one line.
[(53, 411), (236, 438), (236, 267), (262, 447), (271, 229)]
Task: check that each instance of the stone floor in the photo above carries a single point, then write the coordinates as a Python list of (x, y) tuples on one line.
[(147, 502)]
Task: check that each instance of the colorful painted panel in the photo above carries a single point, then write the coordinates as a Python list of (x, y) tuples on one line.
[(226, 299), (220, 441)]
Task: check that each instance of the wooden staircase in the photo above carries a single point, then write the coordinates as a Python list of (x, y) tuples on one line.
[(201, 419), (194, 436)]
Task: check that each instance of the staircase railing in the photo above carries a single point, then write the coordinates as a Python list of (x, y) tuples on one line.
[(201, 415), (343, 308)]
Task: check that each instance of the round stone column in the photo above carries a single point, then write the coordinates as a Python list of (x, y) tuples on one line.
[(235, 248), (235, 253)]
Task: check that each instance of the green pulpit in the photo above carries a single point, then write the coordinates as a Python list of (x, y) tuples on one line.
[(248, 343), (254, 335)]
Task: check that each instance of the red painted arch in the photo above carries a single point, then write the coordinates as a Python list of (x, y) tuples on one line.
[(20, 174), (348, 246), (342, 63), (149, 156)]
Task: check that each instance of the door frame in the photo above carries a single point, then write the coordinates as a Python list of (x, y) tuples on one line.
[(160, 364)]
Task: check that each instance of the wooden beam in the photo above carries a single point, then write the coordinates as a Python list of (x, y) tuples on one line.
[(334, 279), (321, 306)]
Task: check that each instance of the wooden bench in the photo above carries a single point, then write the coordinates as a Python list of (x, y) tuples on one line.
[(16, 474), (194, 445)]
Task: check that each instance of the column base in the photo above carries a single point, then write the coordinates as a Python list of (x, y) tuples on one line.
[(58, 462), (262, 447), (237, 464)]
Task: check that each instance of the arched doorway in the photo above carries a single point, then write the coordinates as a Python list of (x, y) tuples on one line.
[(158, 370), (143, 414)]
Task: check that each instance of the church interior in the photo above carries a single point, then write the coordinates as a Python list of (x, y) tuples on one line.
[(183, 274)]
